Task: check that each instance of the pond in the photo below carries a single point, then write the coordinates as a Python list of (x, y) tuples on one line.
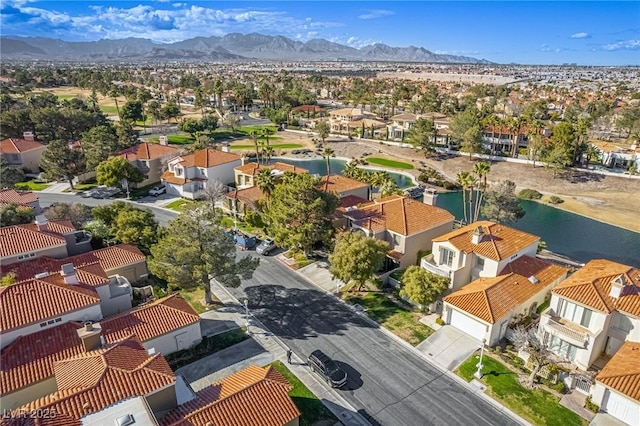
[(319, 166), (569, 234)]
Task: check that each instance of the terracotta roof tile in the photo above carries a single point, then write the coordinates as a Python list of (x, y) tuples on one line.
[(498, 241), (591, 285), (208, 157), (32, 301), (11, 196), (150, 321), (170, 177), (254, 396), (339, 184), (401, 215), (148, 151), (95, 380), (15, 146), (18, 239), (491, 299), (249, 195), (622, 372), (53, 227), (253, 168)]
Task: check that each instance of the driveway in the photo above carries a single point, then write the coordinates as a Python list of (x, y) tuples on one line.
[(449, 347)]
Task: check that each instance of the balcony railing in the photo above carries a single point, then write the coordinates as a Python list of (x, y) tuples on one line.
[(429, 264), (553, 325)]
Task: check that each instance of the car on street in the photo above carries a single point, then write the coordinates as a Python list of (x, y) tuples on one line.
[(158, 190), (266, 247), (327, 368)]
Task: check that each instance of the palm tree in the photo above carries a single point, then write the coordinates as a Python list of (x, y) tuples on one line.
[(266, 181), (378, 178), (266, 132), (466, 181), (327, 154), (591, 152), (351, 170), (114, 93), (481, 169), (255, 133), (267, 153)]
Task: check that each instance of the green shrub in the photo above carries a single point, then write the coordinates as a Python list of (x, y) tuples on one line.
[(509, 348), (558, 387), (254, 219), (555, 200), (529, 194), (590, 405), (439, 321)]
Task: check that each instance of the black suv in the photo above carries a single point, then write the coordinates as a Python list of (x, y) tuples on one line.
[(327, 368)]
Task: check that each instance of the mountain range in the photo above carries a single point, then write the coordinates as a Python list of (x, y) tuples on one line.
[(231, 47)]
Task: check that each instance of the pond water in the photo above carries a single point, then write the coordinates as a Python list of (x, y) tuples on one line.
[(569, 234)]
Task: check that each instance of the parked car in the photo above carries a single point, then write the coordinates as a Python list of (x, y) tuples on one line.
[(327, 368), (266, 247), (158, 190)]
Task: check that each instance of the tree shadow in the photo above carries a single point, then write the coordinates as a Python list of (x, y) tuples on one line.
[(500, 373), (295, 313), (577, 176)]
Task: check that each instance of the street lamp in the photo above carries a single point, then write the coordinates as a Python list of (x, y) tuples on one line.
[(478, 374), (246, 313)]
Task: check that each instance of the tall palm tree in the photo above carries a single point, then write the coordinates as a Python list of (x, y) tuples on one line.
[(481, 169), (467, 181), (114, 93), (327, 154), (267, 153), (255, 133), (350, 170), (266, 132)]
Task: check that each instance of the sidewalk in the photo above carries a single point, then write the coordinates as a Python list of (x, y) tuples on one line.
[(58, 188), (275, 350)]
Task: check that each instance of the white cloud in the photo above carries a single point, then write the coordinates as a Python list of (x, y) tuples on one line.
[(374, 14), (623, 45), (352, 41), (457, 52), (580, 35)]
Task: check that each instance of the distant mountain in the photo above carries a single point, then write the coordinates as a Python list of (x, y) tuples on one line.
[(231, 47)]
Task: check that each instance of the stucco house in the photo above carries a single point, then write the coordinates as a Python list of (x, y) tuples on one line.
[(244, 175), (187, 175), (23, 153), (343, 186), (593, 312), (479, 250), (407, 225), (150, 159), (485, 307), (22, 198)]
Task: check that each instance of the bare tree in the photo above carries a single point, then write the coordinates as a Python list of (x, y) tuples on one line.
[(530, 341), (213, 191)]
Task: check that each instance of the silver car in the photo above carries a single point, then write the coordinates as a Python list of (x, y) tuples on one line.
[(266, 247)]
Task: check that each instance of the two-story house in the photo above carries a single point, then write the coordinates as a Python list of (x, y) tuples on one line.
[(480, 249), (407, 225), (485, 307), (245, 175), (592, 312), (23, 153), (188, 175), (343, 186), (346, 120), (401, 124), (22, 198), (150, 159)]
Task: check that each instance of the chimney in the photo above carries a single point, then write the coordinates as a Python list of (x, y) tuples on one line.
[(476, 237), (28, 136), (430, 196), (42, 223), (90, 336), (243, 159), (617, 286), (68, 272), (226, 147), (163, 140)]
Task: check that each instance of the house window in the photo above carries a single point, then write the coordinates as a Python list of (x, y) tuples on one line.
[(26, 256), (575, 313), (178, 171), (447, 257), (562, 348), (480, 262), (43, 324), (622, 323), (396, 239)]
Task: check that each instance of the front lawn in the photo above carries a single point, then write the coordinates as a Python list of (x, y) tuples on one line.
[(274, 146), (311, 408), (208, 346), (400, 321), (176, 139), (536, 405), (109, 109), (195, 297), (176, 205), (389, 163), (32, 185)]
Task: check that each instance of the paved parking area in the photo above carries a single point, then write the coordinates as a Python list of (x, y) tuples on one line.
[(449, 347)]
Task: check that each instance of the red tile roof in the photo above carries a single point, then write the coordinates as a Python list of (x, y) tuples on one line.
[(150, 321), (339, 184), (90, 382), (253, 168), (148, 151), (11, 196), (62, 227), (16, 146), (18, 239), (249, 195), (30, 358), (622, 372), (254, 396), (208, 157), (401, 215), (591, 285), (32, 301), (497, 242)]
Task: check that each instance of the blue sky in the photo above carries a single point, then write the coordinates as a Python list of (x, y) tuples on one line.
[(590, 33)]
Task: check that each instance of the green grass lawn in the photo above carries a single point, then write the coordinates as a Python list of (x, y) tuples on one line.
[(274, 146), (84, 186), (311, 408), (401, 322), (389, 163), (176, 139), (32, 185), (109, 109), (536, 405), (194, 297), (176, 205), (66, 97)]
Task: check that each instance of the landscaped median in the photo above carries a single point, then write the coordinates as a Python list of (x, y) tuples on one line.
[(536, 405), (389, 163)]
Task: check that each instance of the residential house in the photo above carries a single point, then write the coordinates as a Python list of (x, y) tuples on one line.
[(257, 396), (241, 201), (401, 124), (343, 186), (188, 175), (480, 249), (150, 159), (592, 312), (57, 239), (487, 306), (22, 198), (23, 153), (348, 120), (618, 155), (407, 225), (617, 388), (500, 139), (245, 174)]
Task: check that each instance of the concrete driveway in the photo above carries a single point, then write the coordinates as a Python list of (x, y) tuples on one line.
[(449, 347)]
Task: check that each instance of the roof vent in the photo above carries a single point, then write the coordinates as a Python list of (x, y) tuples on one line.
[(533, 279), (125, 420), (151, 351), (41, 275)]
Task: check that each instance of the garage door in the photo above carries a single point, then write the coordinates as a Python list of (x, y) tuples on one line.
[(467, 324), (622, 408)]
